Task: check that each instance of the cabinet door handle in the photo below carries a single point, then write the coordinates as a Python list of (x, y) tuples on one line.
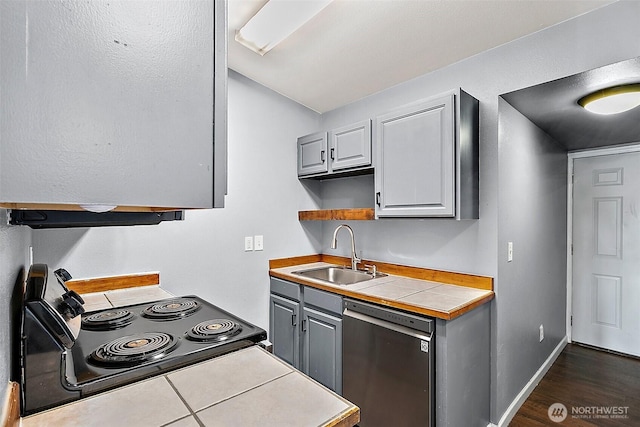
[(293, 320), (304, 325), (322, 156), (332, 153), (378, 198)]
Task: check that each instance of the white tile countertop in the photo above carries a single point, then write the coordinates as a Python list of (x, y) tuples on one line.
[(249, 387), (437, 299), (120, 297)]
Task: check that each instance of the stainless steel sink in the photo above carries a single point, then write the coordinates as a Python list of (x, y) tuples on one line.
[(338, 275)]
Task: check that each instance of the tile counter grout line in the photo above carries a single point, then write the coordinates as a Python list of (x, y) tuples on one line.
[(245, 391), (195, 416), (107, 297)]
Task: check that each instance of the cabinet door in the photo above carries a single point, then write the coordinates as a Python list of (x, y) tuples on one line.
[(415, 163), (312, 154), (350, 146), (114, 103), (284, 315), (322, 348)]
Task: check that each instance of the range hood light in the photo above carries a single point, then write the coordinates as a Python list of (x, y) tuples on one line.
[(276, 21), (612, 100), (97, 207)]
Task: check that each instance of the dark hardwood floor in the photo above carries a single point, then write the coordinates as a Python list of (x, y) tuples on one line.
[(589, 383)]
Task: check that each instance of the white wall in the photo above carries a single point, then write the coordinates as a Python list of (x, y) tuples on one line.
[(532, 196), (204, 254)]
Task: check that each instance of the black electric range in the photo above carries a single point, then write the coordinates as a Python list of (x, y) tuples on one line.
[(67, 354)]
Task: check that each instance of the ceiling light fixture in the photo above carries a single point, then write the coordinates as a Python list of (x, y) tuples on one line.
[(276, 21), (612, 100)]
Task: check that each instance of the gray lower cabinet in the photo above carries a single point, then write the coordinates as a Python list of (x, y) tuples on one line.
[(284, 315), (113, 103), (312, 342), (427, 158)]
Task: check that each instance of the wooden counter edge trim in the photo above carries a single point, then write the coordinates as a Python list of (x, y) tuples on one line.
[(12, 414), (470, 306), (348, 418), (290, 262), (101, 284), (461, 279), (445, 315)]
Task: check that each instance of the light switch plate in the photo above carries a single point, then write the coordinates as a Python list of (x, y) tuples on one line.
[(248, 243), (258, 243), (509, 251)]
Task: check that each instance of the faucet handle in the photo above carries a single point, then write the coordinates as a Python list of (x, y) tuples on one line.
[(374, 269)]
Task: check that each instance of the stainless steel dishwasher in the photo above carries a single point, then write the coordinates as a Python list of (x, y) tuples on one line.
[(388, 365)]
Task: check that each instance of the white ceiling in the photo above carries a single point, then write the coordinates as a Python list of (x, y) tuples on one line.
[(354, 48)]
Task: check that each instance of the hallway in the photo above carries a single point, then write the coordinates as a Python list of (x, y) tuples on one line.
[(597, 388)]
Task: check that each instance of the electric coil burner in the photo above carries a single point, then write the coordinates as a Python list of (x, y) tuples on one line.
[(68, 354), (172, 309), (105, 320), (214, 330), (133, 349)]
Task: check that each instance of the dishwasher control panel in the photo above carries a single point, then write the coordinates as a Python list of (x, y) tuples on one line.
[(412, 321)]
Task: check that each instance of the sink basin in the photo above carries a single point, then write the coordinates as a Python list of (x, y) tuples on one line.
[(338, 275)]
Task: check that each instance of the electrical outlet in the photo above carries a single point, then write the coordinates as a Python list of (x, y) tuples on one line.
[(248, 243), (509, 251), (258, 243), (541, 332)]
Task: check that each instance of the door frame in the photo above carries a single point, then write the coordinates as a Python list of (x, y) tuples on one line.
[(572, 155)]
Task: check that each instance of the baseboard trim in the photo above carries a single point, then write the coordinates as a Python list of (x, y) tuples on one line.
[(533, 382), (10, 415)]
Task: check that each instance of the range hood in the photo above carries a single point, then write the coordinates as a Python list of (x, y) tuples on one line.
[(39, 219)]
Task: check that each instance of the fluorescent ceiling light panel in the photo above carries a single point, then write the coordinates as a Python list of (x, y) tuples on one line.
[(276, 21), (612, 100)]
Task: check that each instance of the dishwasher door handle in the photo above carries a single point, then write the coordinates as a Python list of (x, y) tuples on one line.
[(385, 324)]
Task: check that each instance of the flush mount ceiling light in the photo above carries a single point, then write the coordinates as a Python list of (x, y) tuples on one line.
[(612, 100), (276, 21)]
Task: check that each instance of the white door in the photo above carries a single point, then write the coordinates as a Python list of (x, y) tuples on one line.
[(606, 252)]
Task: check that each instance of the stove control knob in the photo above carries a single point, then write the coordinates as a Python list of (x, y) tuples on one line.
[(70, 306), (62, 274), (77, 296)]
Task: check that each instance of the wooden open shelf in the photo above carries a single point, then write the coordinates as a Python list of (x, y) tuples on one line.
[(356, 214)]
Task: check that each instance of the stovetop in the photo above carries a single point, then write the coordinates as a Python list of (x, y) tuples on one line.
[(153, 337)]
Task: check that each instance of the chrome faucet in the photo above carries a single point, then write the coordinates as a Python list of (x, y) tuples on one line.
[(334, 244)]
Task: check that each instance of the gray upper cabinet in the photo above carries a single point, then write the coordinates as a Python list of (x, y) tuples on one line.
[(342, 151), (113, 103), (427, 159), (350, 146), (312, 154)]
